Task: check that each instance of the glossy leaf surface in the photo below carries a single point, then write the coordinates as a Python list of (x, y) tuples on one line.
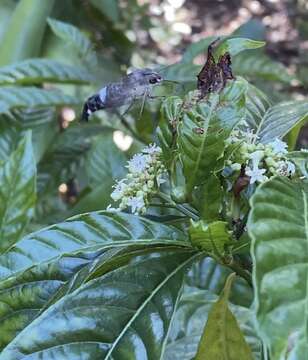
[(40, 266), (121, 315), (279, 250)]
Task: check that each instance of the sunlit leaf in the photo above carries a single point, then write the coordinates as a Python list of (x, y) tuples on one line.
[(126, 311), (192, 314), (280, 119), (222, 337)]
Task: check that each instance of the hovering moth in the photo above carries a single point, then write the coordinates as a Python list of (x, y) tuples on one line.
[(213, 76), (137, 84)]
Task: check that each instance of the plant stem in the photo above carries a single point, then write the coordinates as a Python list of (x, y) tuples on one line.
[(179, 207), (240, 271)]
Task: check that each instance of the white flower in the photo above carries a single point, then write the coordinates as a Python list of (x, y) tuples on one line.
[(286, 168), (290, 168), (138, 163), (256, 174), (152, 149), (304, 150), (136, 203), (110, 208), (119, 189), (279, 147), (256, 157)]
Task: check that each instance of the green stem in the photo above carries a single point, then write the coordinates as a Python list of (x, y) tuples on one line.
[(240, 271), (179, 207)]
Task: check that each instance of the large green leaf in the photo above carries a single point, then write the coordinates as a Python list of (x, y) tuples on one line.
[(200, 152), (79, 233), (280, 119), (222, 337), (278, 227), (74, 37), (25, 31), (17, 193), (124, 314), (39, 268), (21, 97), (191, 316), (36, 71), (258, 65)]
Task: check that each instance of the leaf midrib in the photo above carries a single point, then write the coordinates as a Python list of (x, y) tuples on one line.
[(145, 303), (201, 148)]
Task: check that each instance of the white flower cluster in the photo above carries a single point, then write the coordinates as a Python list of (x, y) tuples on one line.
[(262, 160), (145, 175)]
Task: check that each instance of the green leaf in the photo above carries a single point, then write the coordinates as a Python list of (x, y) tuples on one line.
[(207, 274), (200, 152), (222, 337), (257, 104), (104, 162), (170, 115), (37, 71), (211, 238), (74, 37), (260, 66), (17, 193), (20, 97), (236, 45), (81, 232), (280, 119), (39, 120), (300, 158), (278, 227), (109, 8), (192, 314), (124, 313), (208, 199), (25, 31), (199, 47), (38, 268)]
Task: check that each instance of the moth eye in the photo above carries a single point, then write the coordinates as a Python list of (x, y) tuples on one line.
[(153, 81)]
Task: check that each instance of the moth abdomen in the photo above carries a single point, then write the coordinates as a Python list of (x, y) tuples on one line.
[(94, 103)]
